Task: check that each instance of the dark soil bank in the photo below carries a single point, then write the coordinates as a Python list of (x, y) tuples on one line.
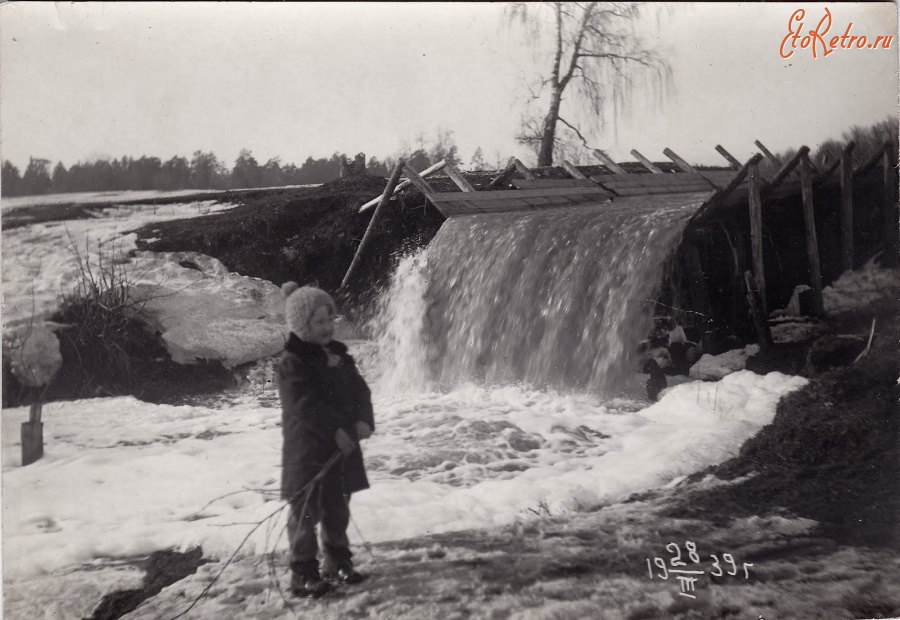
[(308, 235), (832, 452)]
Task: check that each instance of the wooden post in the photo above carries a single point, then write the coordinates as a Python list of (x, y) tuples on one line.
[(812, 242), (385, 198), (756, 233), (33, 435), (607, 161), (847, 208), (417, 180), (891, 223), (757, 313), (574, 172), (693, 270), (731, 159), (457, 177), (649, 165), (686, 167), (404, 184)]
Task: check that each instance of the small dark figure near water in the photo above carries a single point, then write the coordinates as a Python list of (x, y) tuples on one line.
[(657, 381), (326, 410)]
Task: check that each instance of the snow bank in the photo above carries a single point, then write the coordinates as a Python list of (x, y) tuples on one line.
[(202, 310), (205, 312), (121, 477), (714, 367)]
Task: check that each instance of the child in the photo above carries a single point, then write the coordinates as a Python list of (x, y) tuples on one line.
[(326, 408)]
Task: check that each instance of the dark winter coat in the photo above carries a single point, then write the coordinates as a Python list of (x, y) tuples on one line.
[(315, 402)]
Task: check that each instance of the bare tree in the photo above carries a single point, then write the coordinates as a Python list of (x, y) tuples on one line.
[(597, 53)]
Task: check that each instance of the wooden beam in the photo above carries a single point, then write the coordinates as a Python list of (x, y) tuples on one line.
[(757, 312), (420, 183), (827, 172), (574, 172), (739, 177), (731, 159), (756, 233), (686, 167), (785, 170), (406, 183), (770, 156), (457, 177), (703, 214), (873, 161), (504, 176), (649, 165), (525, 170), (393, 181), (812, 242), (847, 207), (607, 161)]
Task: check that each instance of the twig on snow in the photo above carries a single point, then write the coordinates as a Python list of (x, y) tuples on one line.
[(868, 345)]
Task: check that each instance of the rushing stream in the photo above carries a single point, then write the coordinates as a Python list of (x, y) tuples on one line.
[(553, 299)]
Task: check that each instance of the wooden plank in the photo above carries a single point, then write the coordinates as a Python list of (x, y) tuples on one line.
[(541, 183), (653, 180), (393, 182), (731, 159), (590, 192), (607, 161), (756, 233), (525, 170), (420, 183), (719, 177), (572, 170), (649, 165), (662, 189), (405, 183), (785, 170), (812, 242), (847, 207), (457, 177)]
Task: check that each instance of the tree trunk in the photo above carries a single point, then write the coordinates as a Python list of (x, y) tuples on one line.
[(548, 134)]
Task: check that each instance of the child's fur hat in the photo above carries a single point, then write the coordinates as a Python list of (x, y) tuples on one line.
[(300, 303)]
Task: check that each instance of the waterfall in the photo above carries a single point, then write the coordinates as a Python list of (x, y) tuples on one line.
[(552, 298)]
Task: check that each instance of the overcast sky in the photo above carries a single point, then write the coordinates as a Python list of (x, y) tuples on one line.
[(298, 80)]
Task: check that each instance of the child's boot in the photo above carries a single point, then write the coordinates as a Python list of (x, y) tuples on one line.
[(306, 581), (345, 573)]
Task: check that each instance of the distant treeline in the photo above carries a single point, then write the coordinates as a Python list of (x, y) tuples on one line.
[(206, 171)]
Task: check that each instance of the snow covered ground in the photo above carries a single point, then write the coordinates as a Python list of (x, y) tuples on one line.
[(122, 478)]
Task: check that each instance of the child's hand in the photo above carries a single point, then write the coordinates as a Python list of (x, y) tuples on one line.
[(344, 442), (363, 430)]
